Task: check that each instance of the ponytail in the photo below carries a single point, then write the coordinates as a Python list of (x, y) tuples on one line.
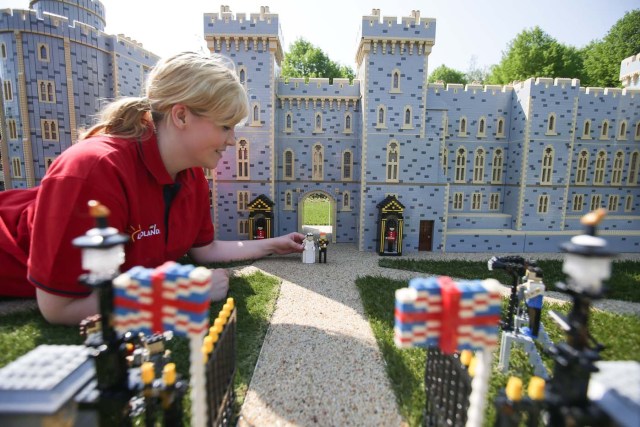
[(124, 118)]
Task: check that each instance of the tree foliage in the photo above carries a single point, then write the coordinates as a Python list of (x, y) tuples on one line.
[(447, 75), (534, 53), (602, 57), (306, 60)]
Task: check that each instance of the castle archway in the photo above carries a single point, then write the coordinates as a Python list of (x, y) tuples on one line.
[(317, 213)]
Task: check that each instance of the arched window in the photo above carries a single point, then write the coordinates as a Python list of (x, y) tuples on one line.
[(3, 51), (50, 92), (500, 127), (543, 204), (628, 203), (461, 164), (622, 134), (288, 164), (347, 122), (242, 155), (612, 204), (288, 200), (407, 116), (256, 114), (578, 202), (476, 201), (346, 200), (596, 202), (601, 162), (586, 130), (317, 162), (242, 75), (551, 124), (618, 164), (243, 200), (547, 166), (637, 131), (457, 201), (463, 126), (347, 165), (604, 134), (583, 163), (381, 116), (481, 127), (43, 52), (634, 165), (318, 123), (288, 122), (494, 201), (396, 80), (393, 154), (43, 91), (478, 165), (496, 169)]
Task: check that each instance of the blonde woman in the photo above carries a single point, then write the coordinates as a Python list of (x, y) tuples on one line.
[(144, 161)]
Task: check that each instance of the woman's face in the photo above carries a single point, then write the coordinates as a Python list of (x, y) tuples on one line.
[(208, 141)]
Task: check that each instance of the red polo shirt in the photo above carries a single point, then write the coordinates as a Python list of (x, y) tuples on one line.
[(164, 218)]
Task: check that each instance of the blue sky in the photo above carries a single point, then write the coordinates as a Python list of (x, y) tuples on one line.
[(466, 29)]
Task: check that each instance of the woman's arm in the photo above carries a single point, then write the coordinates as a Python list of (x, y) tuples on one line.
[(224, 251), (66, 311)]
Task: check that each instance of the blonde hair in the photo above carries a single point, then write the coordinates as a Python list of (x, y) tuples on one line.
[(206, 84)]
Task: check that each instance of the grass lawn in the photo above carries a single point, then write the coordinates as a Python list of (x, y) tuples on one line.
[(317, 211), (405, 367), (255, 297), (624, 283)]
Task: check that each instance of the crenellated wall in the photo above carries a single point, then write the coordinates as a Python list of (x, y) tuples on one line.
[(630, 71)]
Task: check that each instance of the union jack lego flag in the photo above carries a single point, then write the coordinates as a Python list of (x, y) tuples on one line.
[(171, 297), (454, 316)]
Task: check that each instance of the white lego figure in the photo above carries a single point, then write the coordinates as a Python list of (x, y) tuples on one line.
[(309, 252)]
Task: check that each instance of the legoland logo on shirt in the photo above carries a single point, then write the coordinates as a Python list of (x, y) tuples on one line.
[(138, 233)]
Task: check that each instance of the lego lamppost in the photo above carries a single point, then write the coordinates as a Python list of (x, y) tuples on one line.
[(102, 255)]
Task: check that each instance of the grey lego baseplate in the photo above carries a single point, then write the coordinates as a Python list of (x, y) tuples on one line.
[(44, 379), (616, 389)]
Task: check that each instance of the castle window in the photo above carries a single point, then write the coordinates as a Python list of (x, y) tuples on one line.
[(49, 130), (408, 123), (381, 117), (317, 173), (637, 137), (478, 166), (3, 51), (634, 166), (481, 127), (395, 81), (393, 154), (346, 201), (43, 52), (500, 132), (288, 205), (445, 160), (457, 201), (596, 202), (601, 161), (461, 164), (242, 155), (288, 119), (288, 164), (612, 203), (462, 131), (13, 129), (618, 164), (586, 130), (622, 133), (8, 90), (255, 115), (347, 165), (604, 134), (494, 201), (551, 124), (17, 167), (243, 200), (318, 123), (476, 201), (243, 227), (496, 168), (347, 123), (543, 204), (583, 163), (547, 166), (46, 91), (578, 202), (242, 74), (628, 203)]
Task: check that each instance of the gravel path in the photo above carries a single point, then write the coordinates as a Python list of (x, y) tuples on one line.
[(319, 363)]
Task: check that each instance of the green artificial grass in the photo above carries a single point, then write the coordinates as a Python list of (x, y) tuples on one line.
[(255, 297), (624, 283), (405, 367)]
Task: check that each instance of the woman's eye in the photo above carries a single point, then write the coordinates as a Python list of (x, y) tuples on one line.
[(227, 128)]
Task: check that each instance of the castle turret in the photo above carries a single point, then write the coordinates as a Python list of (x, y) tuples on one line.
[(630, 72), (89, 12)]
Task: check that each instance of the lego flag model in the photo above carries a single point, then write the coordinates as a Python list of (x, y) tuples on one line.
[(454, 316), (171, 297)]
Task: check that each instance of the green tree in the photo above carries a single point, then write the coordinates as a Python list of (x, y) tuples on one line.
[(534, 53), (602, 57), (306, 60), (447, 75)]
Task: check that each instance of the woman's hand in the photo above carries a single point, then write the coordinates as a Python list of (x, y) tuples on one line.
[(289, 243), (219, 284)]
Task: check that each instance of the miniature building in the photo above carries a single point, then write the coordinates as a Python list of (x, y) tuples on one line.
[(488, 168)]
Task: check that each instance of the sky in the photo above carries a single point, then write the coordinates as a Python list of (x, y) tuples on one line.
[(467, 31)]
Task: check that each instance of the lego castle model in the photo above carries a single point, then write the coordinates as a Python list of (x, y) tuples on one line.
[(447, 168)]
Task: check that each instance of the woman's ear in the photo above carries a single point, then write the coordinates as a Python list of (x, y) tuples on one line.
[(179, 115)]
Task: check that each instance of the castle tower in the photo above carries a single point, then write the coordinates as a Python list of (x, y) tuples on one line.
[(253, 44), (392, 65), (57, 67)]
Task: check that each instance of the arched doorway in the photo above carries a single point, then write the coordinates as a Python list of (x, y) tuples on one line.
[(317, 213)]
